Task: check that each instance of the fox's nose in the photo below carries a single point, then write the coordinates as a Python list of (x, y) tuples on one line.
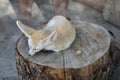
[(29, 54)]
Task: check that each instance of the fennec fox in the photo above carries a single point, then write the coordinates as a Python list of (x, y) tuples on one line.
[(57, 35)]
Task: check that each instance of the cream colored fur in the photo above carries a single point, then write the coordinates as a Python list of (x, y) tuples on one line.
[(57, 35)]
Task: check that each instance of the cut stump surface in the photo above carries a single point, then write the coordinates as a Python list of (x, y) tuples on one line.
[(87, 55)]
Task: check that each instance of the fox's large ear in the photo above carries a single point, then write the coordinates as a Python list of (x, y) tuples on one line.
[(51, 38), (25, 29)]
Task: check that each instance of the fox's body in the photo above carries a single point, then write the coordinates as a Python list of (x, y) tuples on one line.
[(65, 32), (57, 35)]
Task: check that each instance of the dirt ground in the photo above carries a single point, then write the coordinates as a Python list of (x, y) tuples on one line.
[(42, 10)]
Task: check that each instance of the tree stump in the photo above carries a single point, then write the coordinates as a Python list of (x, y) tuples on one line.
[(86, 59)]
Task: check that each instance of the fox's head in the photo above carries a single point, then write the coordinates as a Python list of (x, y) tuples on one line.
[(37, 39)]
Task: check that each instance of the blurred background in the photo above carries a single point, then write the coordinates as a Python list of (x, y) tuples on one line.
[(35, 12)]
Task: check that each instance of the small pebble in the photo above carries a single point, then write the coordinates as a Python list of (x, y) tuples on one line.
[(78, 52)]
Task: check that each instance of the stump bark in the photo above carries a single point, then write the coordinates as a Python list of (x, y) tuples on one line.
[(86, 59)]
